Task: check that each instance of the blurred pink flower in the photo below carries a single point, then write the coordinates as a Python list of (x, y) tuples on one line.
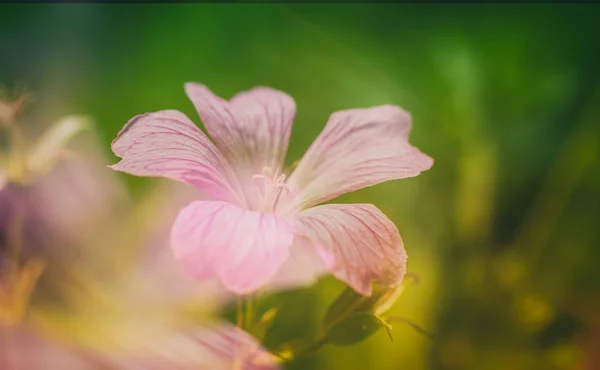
[(140, 322), (214, 347), (258, 218), (25, 349), (70, 202)]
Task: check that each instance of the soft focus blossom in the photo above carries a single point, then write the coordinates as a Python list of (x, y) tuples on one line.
[(257, 215), (43, 210), (142, 320), (62, 196), (25, 349), (215, 347), (139, 316)]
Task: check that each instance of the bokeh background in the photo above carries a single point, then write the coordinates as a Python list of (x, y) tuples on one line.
[(503, 231)]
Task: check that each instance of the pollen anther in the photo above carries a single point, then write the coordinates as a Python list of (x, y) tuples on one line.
[(274, 184)]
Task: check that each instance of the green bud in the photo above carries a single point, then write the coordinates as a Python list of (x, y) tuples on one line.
[(356, 328), (345, 304), (353, 317), (350, 303)]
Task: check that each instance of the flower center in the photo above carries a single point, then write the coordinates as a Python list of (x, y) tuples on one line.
[(273, 186)]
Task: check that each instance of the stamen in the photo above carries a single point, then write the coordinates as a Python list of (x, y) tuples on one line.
[(262, 177), (274, 184)]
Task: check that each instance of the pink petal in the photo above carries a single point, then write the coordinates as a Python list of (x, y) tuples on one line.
[(357, 148), (233, 344), (23, 349), (252, 130), (215, 347), (244, 249), (168, 144), (360, 245), (79, 196), (303, 267), (156, 278)]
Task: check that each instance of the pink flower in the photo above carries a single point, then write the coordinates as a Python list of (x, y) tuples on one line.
[(258, 218), (210, 347), (213, 347), (25, 349)]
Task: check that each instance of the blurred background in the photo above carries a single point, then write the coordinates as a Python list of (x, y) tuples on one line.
[(503, 232)]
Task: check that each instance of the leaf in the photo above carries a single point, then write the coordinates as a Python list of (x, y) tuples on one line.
[(342, 306), (355, 329)]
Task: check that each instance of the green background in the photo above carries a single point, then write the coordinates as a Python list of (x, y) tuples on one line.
[(502, 231)]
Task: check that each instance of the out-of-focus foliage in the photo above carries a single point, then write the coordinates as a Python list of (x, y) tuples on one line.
[(502, 232)]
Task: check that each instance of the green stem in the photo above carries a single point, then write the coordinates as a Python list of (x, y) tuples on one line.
[(411, 324), (311, 347), (244, 321), (249, 313), (245, 312), (240, 312)]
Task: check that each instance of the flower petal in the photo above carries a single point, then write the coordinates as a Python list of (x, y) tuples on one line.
[(252, 130), (156, 277), (357, 148), (24, 349), (233, 344), (244, 249), (303, 267), (168, 144), (217, 346), (358, 242)]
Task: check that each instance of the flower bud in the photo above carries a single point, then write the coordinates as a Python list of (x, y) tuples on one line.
[(353, 317), (356, 328), (350, 303)]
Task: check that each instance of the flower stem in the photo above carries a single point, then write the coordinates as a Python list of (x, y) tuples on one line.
[(244, 321), (411, 324), (249, 313), (240, 312), (306, 349), (245, 312)]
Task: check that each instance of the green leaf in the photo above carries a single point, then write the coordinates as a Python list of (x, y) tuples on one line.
[(355, 329), (345, 304)]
